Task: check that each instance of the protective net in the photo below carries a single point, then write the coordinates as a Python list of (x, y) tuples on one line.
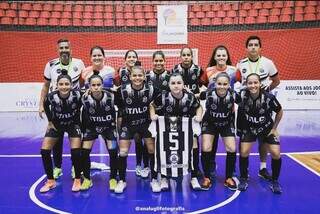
[(289, 31)]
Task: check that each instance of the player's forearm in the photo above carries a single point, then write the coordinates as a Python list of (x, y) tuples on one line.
[(44, 92), (152, 110), (275, 82), (277, 119)]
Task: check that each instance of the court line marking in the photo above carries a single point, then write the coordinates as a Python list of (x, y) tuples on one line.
[(132, 154), (302, 164), (34, 198), (221, 204)]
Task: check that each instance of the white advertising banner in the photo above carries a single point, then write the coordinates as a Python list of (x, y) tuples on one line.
[(20, 96), (292, 94), (172, 24), (299, 94)]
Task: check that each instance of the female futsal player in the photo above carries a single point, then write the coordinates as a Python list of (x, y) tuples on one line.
[(219, 119), (258, 106), (178, 103), (99, 118), (97, 57), (136, 98), (123, 78), (62, 108)]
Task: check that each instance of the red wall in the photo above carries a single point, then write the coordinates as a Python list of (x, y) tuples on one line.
[(295, 52)]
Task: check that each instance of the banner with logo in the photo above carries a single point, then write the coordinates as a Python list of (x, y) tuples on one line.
[(172, 24), (20, 96)]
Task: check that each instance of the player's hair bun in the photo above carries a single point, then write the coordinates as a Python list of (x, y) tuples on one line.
[(95, 72), (64, 72), (137, 63)]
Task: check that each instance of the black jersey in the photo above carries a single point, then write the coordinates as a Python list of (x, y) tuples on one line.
[(191, 76), (124, 74), (159, 81), (63, 112), (258, 112), (99, 114), (168, 105), (134, 103), (219, 110), (173, 146)]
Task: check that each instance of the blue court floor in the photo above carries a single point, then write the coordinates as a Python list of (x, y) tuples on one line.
[(22, 175)]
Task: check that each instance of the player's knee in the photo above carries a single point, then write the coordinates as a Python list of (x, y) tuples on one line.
[(275, 154), (230, 148), (123, 153)]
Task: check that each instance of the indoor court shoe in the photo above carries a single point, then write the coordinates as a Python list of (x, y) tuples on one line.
[(57, 172), (155, 186), (206, 184), (121, 185), (86, 184), (231, 184), (243, 185), (263, 173), (275, 187), (144, 173), (164, 185), (50, 184), (76, 185), (138, 170), (195, 184), (112, 184)]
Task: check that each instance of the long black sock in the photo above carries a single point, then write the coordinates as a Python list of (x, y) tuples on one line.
[(47, 162), (145, 155), (195, 163), (113, 155), (153, 172), (276, 167), (206, 163), (122, 167), (57, 152), (244, 163), (76, 161), (86, 163), (139, 151), (213, 153), (230, 164)]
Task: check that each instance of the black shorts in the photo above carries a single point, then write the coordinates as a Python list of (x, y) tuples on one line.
[(208, 127), (248, 136), (107, 133), (127, 133), (73, 131)]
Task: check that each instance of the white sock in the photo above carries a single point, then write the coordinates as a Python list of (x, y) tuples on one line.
[(263, 165)]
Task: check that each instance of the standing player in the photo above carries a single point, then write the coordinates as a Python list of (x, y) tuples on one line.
[(99, 118), (51, 72), (265, 68), (192, 76), (135, 100), (123, 78), (220, 61), (258, 106), (107, 73), (219, 119), (62, 108), (158, 76), (179, 103)]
